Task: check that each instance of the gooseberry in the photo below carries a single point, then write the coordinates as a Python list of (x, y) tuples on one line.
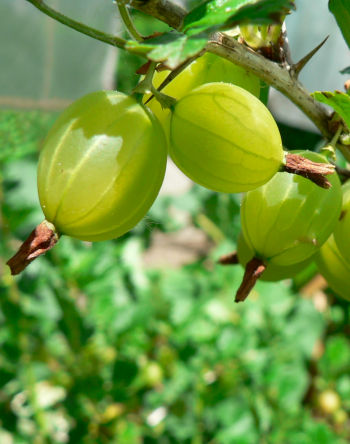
[(224, 138), (205, 69), (273, 272), (342, 229), (334, 268), (286, 220), (101, 167), (329, 401)]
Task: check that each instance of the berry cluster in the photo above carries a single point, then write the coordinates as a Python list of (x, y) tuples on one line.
[(104, 161)]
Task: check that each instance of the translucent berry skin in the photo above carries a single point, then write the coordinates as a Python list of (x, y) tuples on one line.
[(342, 229), (334, 268), (224, 138), (273, 272), (286, 220), (207, 68), (101, 167)]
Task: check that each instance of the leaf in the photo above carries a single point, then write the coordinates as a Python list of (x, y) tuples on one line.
[(336, 357), (345, 70), (172, 47), (341, 11), (338, 100), (219, 14)]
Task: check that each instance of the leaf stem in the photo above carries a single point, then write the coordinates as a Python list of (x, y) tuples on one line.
[(84, 29), (125, 15), (146, 86), (336, 136)]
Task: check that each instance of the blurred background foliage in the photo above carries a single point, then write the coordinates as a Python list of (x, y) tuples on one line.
[(138, 340)]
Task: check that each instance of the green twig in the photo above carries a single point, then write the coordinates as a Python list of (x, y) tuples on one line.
[(336, 136), (124, 14), (146, 86), (84, 29)]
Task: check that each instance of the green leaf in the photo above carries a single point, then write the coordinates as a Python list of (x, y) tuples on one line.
[(336, 357), (219, 14), (338, 100), (345, 70), (172, 47), (341, 11)]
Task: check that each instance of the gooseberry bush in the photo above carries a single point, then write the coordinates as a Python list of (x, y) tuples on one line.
[(202, 98), (112, 341)]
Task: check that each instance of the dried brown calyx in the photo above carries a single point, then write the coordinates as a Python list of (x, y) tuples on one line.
[(229, 259), (313, 171), (253, 270), (40, 240)]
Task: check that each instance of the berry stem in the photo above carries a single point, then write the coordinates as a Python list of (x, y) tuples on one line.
[(125, 15), (40, 240), (253, 270), (80, 27), (313, 171)]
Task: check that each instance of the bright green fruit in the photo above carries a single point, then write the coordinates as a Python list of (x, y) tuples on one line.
[(224, 138), (286, 220), (101, 167), (334, 268), (207, 68), (273, 272), (342, 229)]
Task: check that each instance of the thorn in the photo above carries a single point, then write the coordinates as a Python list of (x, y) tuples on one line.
[(297, 67), (142, 70)]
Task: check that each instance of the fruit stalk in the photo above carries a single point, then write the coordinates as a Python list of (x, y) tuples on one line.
[(313, 171), (40, 240), (253, 270)]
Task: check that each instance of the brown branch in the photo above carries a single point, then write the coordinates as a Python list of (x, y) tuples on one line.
[(277, 75), (342, 172), (313, 171), (253, 270), (40, 240), (273, 74)]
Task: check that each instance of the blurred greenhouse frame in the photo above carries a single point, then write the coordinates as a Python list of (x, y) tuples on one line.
[(138, 340)]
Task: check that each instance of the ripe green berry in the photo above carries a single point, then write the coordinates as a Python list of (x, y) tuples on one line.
[(342, 229), (101, 167), (99, 172), (207, 68), (334, 268), (224, 138), (286, 220), (273, 272)]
